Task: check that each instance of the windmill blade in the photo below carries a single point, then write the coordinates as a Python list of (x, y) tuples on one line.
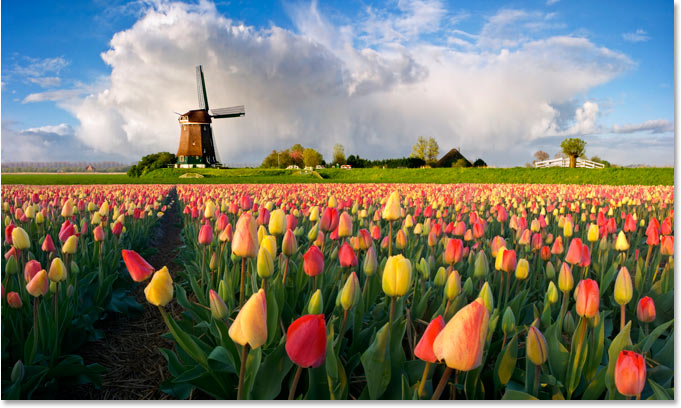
[(231, 112), (201, 88)]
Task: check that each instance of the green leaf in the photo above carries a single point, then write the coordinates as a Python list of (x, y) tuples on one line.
[(252, 366), (607, 279), (650, 339), (658, 392), (376, 363), (558, 354), (507, 361), (272, 317), (271, 375), (596, 386), (219, 360), (185, 340), (517, 395), (618, 344), (579, 349)]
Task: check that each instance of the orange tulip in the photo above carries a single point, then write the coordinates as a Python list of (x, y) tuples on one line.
[(630, 373), (424, 348), (454, 251), (138, 267), (39, 285), (645, 310), (462, 341), (245, 240), (574, 255), (667, 245), (587, 298)]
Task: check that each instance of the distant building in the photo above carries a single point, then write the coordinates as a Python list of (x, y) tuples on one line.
[(90, 168), (319, 167), (293, 167), (452, 157), (346, 167)]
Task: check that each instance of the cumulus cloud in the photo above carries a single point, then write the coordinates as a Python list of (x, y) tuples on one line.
[(374, 84), (639, 35)]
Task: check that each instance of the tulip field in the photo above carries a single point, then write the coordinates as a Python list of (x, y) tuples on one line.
[(340, 291)]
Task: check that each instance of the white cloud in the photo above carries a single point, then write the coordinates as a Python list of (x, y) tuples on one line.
[(638, 36), (41, 71), (652, 126), (61, 129), (318, 86)]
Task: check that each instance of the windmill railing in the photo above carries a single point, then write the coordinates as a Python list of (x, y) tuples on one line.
[(565, 162)]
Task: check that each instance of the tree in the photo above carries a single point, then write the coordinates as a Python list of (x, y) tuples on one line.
[(151, 162), (420, 148), (480, 163), (461, 163), (541, 155), (573, 148), (432, 151), (311, 157), (338, 154), (297, 148)]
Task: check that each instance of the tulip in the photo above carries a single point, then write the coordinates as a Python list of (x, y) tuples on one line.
[(329, 220), (226, 234), (159, 291), (138, 267), (350, 294), (487, 297), (57, 270), (14, 300), (508, 262), (392, 210), (31, 269), (624, 290), (313, 261), (245, 240), (20, 239), (370, 262), (587, 298), (218, 308), (316, 304), (117, 228), (11, 267), (346, 256), (250, 325), (306, 341), (209, 212), (99, 234), (221, 222), (401, 239), (552, 293), (277, 222), (481, 265), (39, 284), (71, 245), (522, 269), (667, 245), (545, 253), (592, 235), (574, 255), (497, 243), (645, 310), (452, 287), (205, 234), (424, 348), (289, 245), (621, 244), (454, 251), (507, 322), (344, 225), (462, 341), (536, 347), (396, 276), (265, 264), (630, 373), (565, 278), (48, 244)]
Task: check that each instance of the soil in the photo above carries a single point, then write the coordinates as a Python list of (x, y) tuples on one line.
[(129, 349)]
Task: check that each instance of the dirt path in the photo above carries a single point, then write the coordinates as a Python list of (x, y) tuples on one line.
[(129, 349)]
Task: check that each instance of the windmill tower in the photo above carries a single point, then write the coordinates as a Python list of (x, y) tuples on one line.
[(197, 147)]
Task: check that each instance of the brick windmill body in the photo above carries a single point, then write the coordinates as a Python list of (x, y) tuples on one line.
[(197, 147)]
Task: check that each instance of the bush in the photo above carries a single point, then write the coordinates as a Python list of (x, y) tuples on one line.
[(151, 162)]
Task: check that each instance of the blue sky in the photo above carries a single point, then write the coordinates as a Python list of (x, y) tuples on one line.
[(500, 79)]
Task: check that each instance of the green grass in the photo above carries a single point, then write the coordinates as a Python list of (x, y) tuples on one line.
[(610, 176)]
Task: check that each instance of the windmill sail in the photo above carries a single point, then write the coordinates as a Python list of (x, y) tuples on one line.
[(201, 88), (231, 112)]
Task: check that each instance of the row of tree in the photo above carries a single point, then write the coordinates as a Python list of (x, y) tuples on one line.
[(296, 155), (63, 167)]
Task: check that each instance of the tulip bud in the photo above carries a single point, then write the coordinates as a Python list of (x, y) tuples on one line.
[(624, 290), (401, 240), (313, 261), (350, 294), (245, 241), (14, 300), (289, 245), (316, 304), (392, 210), (250, 325), (481, 265), (467, 330), (550, 270), (621, 244), (536, 348), (71, 245), (440, 276), (17, 372), (569, 323), (57, 270), (344, 225), (205, 234), (138, 267), (592, 235), (20, 239), (218, 308), (396, 276), (306, 340), (565, 279), (522, 269), (222, 290), (486, 296), (630, 373), (645, 310), (508, 261), (277, 222), (209, 212), (11, 267), (226, 234), (588, 298), (667, 245), (424, 348), (453, 285), (39, 284), (508, 321), (265, 263), (552, 293), (468, 287), (159, 291), (370, 262)]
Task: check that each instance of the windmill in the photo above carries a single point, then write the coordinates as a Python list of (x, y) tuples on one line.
[(197, 147)]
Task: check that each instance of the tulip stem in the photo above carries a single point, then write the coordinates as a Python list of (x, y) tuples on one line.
[(242, 371), (296, 377), (441, 385), (392, 312), (283, 280), (622, 317), (424, 378), (447, 308), (342, 329), (241, 285), (264, 284), (390, 239), (537, 372), (501, 288)]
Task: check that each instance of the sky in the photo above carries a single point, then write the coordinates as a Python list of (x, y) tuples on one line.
[(103, 80)]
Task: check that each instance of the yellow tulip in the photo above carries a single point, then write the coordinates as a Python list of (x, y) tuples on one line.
[(250, 325), (396, 276), (592, 235), (20, 239), (392, 210), (621, 244), (71, 245), (623, 287), (277, 222), (159, 291), (57, 270)]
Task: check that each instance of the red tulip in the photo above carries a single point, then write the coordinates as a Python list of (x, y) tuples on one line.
[(138, 267), (117, 228), (246, 202), (424, 348), (306, 341), (313, 261), (545, 253), (653, 236), (31, 269), (206, 234), (630, 373), (8, 233), (667, 227), (14, 300), (588, 298), (586, 256), (574, 255), (99, 233), (454, 251), (346, 256), (222, 222), (557, 248), (330, 219), (375, 232), (645, 310), (48, 244), (291, 222), (508, 261)]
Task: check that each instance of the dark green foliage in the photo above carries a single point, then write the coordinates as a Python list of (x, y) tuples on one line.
[(405, 162), (479, 163), (151, 162)]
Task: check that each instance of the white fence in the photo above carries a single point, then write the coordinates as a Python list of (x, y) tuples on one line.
[(565, 162)]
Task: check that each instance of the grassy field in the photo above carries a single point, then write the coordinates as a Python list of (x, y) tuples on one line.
[(610, 176)]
